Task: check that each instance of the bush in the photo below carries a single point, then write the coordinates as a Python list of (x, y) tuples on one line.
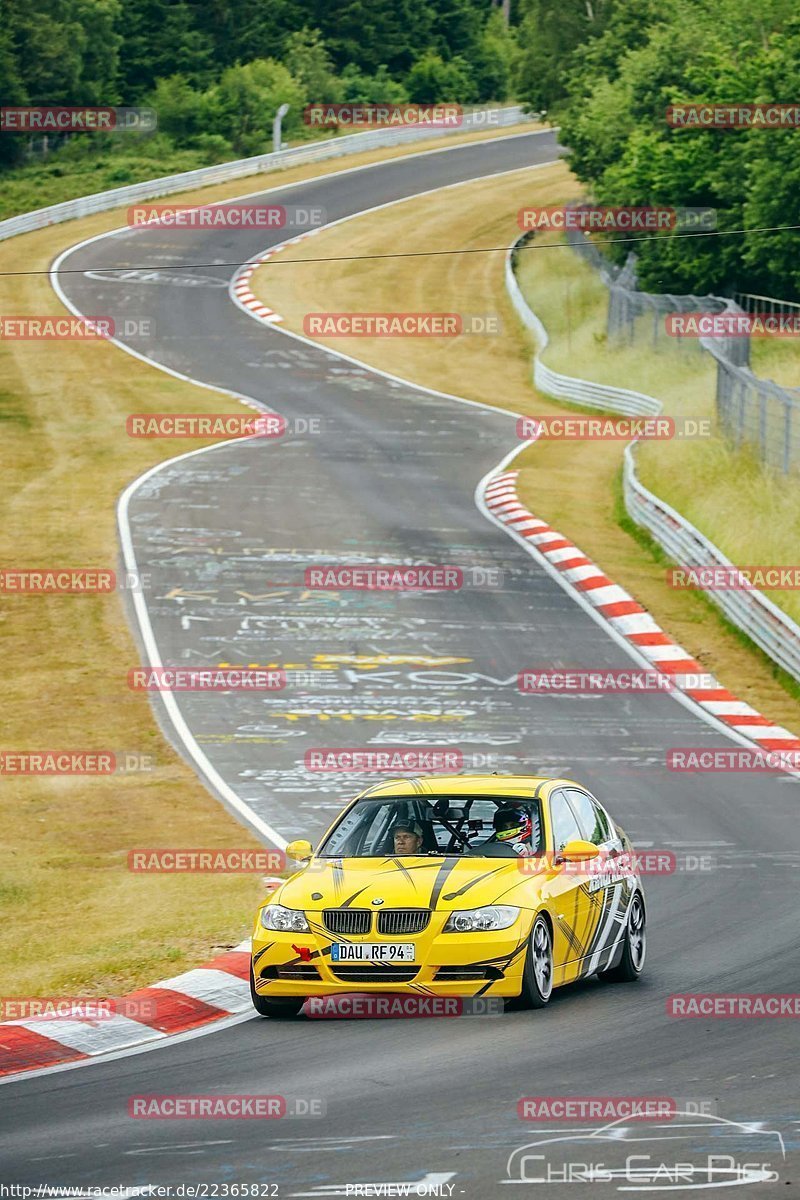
[(243, 104), (309, 62), (494, 60), (359, 88), (183, 112), (431, 80)]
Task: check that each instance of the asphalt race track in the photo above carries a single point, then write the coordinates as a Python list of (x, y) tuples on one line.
[(225, 537)]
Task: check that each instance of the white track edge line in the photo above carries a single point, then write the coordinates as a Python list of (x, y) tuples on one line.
[(600, 619), (199, 757)]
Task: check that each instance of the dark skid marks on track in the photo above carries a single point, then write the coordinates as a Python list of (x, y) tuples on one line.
[(393, 477)]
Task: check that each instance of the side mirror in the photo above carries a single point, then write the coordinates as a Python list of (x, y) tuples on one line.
[(300, 850), (578, 851)]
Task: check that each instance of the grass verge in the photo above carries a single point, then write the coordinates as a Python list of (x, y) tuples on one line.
[(66, 177), (752, 514), (572, 485), (777, 359), (74, 919)]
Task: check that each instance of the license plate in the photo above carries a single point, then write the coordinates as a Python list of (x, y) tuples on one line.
[(372, 952)]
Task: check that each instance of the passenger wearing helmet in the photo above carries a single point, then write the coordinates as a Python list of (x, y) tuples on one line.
[(513, 827)]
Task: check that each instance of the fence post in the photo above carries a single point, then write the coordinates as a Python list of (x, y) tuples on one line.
[(736, 385), (276, 127)]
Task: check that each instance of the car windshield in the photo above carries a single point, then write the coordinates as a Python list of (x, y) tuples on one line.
[(404, 826)]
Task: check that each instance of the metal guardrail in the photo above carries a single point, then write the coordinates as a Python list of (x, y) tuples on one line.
[(750, 610), (754, 410), (336, 147), (768, 627), (749, 409), (772, 630), (593, 395), (567, 387), (750, 303)]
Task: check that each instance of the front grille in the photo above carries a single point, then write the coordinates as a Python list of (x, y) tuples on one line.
[(291, 971), (367, 973), (347, 920), (396, 921)]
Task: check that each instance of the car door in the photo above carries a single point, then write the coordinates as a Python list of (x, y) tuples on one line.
[(573, 907), (609, 887)]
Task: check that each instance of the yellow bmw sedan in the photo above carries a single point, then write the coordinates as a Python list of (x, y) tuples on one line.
[(460, 885)]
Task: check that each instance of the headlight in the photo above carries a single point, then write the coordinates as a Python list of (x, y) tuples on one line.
[(290, 920), (472, 920)]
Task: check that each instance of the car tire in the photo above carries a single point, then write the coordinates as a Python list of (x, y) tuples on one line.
[(634, 946), (537, 974), (287, 1007)]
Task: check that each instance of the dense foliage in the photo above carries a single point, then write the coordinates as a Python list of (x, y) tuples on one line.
[(650, 55), (216, 70)]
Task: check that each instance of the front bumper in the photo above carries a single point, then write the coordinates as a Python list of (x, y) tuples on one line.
[(447, 964)]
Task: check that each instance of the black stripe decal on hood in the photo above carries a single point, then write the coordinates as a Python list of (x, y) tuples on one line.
[(472, 882), (440, 880), (399, 866), (346, 903)]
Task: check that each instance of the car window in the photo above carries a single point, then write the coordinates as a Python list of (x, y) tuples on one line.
[(363, 832), (376, 837), (449, 825), (593, 820), (565, 825), (604, 823), (481, 812)]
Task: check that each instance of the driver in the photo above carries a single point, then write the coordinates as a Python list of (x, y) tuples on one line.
[(407, 837), (513, 827)]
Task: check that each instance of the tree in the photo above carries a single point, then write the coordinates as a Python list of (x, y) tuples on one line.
[(13, 88), (551, 33), (432, 80), (456, 27), (494, 60), (308, 60), (358, 88), (184, 113), (242, 105), (161, 38), (262, 28), (621, 145), (371, 32), (771, 171), (50, 44)]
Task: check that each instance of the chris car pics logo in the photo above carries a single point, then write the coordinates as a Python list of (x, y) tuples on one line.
[(691, 1150)]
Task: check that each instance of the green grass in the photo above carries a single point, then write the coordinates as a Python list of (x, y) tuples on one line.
[(39, 184), (83, 168), (569, 484), (573, 301), (777, 359), (751, 513), (656, 552)]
